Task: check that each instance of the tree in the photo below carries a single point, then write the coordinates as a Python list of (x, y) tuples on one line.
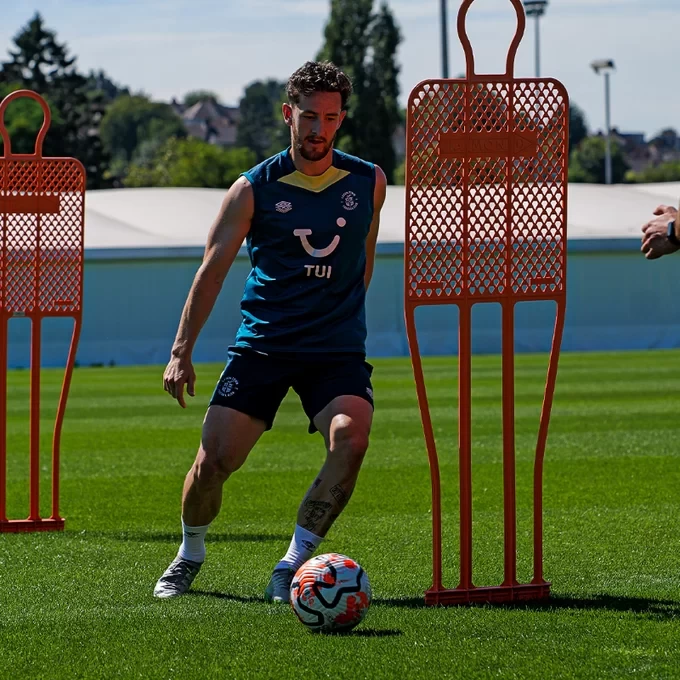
[(98, 81), (384, 78), (400, 173), (578, 126), (587, 162), (132, 120), (42, 64), (364, 45), (347, 38), (191, 163), (23, 120), (261, 127), (195, 96), (664, 172), (666, 140)]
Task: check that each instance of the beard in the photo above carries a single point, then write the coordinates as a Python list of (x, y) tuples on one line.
[(309, 152)]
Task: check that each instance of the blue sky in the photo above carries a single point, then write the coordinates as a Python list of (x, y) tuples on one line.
[(168, 47)]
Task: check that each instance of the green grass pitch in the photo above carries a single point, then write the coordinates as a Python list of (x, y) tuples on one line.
[(79, 604)]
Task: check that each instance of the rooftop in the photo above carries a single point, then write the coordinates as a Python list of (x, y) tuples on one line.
[(171, 219)]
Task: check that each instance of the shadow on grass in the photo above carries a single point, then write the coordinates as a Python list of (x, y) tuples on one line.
[(369, 633), (176, 537), (405, 602), (657, 609), (362, 632), (226, 596)]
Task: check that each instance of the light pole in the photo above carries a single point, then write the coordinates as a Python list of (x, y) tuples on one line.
[(445, 40), (606, 66), (536, 9)]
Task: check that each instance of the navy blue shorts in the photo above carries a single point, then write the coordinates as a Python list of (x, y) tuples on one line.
[(255, 383)]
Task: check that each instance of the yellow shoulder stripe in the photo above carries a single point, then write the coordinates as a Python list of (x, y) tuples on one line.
[(317, 183)]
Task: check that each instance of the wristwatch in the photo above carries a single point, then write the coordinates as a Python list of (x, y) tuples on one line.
[(671, 234)]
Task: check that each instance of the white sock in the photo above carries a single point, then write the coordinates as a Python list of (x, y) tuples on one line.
[(301, 548), (193, 543)]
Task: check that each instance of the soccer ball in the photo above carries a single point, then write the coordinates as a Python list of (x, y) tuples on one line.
[(330, 593)]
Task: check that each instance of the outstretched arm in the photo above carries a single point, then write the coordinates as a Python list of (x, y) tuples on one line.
[(224, 240), (656, 242), (372, 239)]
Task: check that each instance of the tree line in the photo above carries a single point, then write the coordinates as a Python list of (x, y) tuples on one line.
[(124, 138)]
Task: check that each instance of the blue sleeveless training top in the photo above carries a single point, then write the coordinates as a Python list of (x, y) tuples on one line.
[(305, 291)]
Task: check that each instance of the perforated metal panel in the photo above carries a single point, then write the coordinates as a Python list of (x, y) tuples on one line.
[(486, 195), (42, 208), (41, 239)]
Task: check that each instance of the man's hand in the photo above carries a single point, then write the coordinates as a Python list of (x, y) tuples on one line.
[(178, 373), (224, 240), (655, 243)]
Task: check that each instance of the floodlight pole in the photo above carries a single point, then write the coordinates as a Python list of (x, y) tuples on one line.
[(445, 40), (537, 40), (608, 152), (606, 66), (536, 9)]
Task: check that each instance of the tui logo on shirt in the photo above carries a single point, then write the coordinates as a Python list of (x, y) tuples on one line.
[(320, 271), (319, 252)]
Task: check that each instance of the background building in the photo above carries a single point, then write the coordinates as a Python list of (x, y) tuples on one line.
[(143, 247), (209, 121)]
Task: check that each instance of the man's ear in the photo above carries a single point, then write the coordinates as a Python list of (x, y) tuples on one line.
[(342, 117), (287, 110)]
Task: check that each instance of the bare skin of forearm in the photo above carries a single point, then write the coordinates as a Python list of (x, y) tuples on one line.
[(327, 497), (199, 304)]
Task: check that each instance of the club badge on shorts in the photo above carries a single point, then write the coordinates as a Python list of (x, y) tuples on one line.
[(227, 387)]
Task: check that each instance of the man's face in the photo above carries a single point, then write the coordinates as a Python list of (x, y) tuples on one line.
[(314, 123)]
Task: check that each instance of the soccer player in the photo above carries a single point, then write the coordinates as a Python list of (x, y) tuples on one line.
[(310, 218), (661, 235)]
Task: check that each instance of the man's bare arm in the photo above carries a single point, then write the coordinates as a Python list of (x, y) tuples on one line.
[(372, 239), (224, 240), (655, 241)]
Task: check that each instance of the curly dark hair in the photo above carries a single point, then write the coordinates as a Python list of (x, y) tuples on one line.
[(318, 76)]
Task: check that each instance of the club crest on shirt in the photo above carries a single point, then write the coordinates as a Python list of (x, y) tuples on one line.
[(283, 207), (349, 200)]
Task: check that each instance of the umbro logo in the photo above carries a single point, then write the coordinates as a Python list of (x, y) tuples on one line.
[(283, 207)]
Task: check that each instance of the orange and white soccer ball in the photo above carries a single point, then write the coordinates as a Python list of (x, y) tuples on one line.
[(330, 593)]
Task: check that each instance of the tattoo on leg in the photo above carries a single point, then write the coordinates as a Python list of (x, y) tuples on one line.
[(314, 512), (339, 494), (317, 481)]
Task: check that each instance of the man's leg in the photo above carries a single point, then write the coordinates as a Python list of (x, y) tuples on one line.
[(227, 439), (345, 424)]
